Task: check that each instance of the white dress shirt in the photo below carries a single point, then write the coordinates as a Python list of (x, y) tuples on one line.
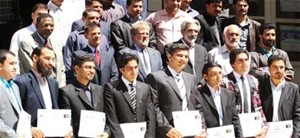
[(44, 87), (276, 92), (191, 56), (239, 82), (217, 100)]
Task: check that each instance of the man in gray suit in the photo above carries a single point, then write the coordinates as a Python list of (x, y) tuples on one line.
[(10, 102), (174, 91), (40, 38), (149, 58), (280, 98)]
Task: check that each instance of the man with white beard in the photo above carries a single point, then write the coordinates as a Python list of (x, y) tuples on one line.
[(197, 53), (220, 55)]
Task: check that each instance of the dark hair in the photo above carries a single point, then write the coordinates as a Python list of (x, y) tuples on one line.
[(125, 58), (85, 12), (212, 1), (236, 52), (265, 26), (274, 58), (175, 46), (38, 50), (42, 16), (89, 2), (39, 6), (89, 26), (81, 57), (209, 65), (128, 2), (235, 1), (3, 55)]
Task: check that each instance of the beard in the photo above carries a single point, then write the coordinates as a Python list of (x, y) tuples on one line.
[(268, 43), (232, 43), (43, 70), (190, 39)]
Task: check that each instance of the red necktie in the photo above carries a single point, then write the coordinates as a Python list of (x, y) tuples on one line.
[(46, 43), (97, 57)]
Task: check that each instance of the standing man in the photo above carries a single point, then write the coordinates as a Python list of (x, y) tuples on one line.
[(210, 35), (149, 58), (259, 61), (82, 94), (174, 91), (10, 102), (244, 86), (185, 6), (197, 53), (249, 27), (280, 98), (218, 103), (128, 100), (111, 11)]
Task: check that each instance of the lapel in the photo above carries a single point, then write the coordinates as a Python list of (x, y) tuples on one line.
[(141, 68), (151, 58), (17, 93), (207, 95), (82, 95), (285, 91), (6, 91), (224, 99), (122, 87), (139, 96), (187, 84), (172, 82), (53, 93), (37, 39), (94, 95), (35, 85), (267, 90), (231, 77)]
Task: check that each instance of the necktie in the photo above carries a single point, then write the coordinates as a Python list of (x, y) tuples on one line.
[(89, 95), (97, 57), (180, 84), (46, 43), (132, 94), (245, 95), (146, 64)]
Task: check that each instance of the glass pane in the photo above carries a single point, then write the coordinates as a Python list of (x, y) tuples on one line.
[(288, 9)]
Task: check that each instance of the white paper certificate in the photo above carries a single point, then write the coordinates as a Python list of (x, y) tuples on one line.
[(221, 132), (92, 123), (188, 123), (134, 130), (54, 123), (281, 129), (251, 123), (24, 125)]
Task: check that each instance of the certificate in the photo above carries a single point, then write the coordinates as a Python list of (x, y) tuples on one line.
[(91, 123), (221, 132), (188, 123), (134, 130), (281, 129), (24, 125), (54, 123), (251, 123)]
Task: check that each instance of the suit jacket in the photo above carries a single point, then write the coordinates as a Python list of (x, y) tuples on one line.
[(167, 98), (31, 94), (200, 59), (26, 48), (9, 115), (207, 36), (119, 108), (74, 97), (260, 60), (289, 103), (121, 35), (155, 61), (107, 71), (230, 115), (254, 26)]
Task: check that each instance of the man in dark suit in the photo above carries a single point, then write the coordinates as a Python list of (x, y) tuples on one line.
[(106, 68), (244, 86), (149, 58), (218, 103), (210, 35), (174, 91), (120, 29), (128, 100), (197, 53), (37, 89), (280, 98), (249, 27), (81, 94)]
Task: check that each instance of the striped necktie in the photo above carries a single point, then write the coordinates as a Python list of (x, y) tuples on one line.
[(132, 94)]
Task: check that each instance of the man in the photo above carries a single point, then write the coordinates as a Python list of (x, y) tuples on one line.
[(149, 58), (9, 95), (259, 58), (37, 89), (248, 26), (167, 23), (82, 94), (280, 98), (111, 11), (218, 103), (185, 6), (197, 53), (220, 55), (128, 100), (120, 29), (106, 68), (244, 86), (174, 91), (40, 38), (210, 34)]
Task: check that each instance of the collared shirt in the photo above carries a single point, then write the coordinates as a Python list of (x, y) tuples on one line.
[(86, 89), (44, 87), (144, 55), (166, 27), (244, 34), (276, 92), (239, 82), (191, 55), (270, 52), (216, 95), (131, 20), (127, 83), (11, 93), (193, 13), (93, 49), (112, 12)]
